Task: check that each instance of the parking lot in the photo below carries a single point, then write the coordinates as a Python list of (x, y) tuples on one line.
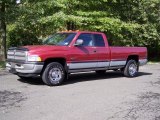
[(85, 96)]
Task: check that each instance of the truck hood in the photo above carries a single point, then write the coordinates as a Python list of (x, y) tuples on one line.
[(40, 48)]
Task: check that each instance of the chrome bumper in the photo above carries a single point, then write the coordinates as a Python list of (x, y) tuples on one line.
[(25, 68), (143, 62)]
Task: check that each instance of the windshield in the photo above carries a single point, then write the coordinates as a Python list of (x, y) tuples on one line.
[(61, 39)]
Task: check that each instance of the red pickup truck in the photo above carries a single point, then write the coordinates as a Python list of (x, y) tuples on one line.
[(69, 52)]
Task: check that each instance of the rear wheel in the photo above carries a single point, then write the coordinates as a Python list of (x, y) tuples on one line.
[(131, 69), (54, 74), (100, 71)]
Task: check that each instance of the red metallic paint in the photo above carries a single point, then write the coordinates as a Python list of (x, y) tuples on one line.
[(83, 54)]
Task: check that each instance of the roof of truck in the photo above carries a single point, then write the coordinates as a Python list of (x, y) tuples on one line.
[(78, 31)]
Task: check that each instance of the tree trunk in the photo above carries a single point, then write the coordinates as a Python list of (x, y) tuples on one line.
[(3, 32), (71, 26)]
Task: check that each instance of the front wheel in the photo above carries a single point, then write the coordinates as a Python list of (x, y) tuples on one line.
[(131, 69), (54, 74)]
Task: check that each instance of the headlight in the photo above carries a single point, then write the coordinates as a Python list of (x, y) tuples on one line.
[(33, 58)]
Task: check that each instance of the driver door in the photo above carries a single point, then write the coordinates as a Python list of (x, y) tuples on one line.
[(84, 56)]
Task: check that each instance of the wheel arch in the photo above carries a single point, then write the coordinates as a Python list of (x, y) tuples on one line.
[(133, 57), (60, 60)]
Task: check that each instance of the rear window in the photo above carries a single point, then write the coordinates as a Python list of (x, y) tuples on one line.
[(99, 41)]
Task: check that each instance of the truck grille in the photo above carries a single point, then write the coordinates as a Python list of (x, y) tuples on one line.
[(16, 55)]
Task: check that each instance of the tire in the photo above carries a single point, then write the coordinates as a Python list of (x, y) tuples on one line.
[(100, 71), (53, 74), (131, 69)]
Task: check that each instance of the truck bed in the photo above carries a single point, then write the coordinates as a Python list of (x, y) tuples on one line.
[(119, 55)]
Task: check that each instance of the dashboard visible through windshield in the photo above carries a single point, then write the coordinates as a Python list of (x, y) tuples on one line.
[(60, 39)]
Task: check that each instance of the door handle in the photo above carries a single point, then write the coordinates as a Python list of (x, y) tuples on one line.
[(94, 50)]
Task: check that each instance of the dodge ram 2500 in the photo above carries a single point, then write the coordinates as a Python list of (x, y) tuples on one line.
[(69, 52)]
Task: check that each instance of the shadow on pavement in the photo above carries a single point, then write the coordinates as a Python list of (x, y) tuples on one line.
[(82, 77), (143, 73), (32, 81)]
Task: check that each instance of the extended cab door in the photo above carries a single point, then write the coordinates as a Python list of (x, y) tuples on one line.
[(84, 56), (102, 51)]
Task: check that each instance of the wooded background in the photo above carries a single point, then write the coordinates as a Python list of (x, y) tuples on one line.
[(125, 22)]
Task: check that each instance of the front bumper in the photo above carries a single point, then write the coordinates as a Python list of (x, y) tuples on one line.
[(24, 68)]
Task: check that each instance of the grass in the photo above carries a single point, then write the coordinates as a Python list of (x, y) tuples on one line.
[(154, 60), (2, 64)]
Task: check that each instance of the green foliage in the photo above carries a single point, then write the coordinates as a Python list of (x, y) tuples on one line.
[(2, 64), (11, 10), (128, 23), (19, 37)]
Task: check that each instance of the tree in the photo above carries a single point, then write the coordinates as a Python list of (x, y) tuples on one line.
[(7, 15), (3, 29), (126, 22)]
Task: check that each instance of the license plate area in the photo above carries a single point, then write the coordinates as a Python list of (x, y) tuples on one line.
[(12, 65), (13, 70)]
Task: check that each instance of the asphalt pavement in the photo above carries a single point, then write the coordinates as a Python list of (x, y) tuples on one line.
[(85, 96)]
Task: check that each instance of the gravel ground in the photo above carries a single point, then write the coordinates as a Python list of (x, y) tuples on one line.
[(85, 96)]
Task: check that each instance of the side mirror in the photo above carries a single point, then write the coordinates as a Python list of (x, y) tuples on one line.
[(79, 42)]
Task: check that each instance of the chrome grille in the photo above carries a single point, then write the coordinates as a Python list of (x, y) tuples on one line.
[(19, 55)]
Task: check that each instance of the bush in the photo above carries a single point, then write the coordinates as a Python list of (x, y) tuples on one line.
[(20, 37), (2, 64)]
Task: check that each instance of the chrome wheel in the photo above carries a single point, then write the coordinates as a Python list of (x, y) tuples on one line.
[(132, 69), (55, 74)]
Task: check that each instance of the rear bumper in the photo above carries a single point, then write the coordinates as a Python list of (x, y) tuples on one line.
[(24, 69), (143, 62)]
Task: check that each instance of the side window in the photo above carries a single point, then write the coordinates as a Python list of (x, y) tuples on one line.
[(87, 39), (98, 40)]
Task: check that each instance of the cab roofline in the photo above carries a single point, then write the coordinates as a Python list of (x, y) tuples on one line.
[(77, 31)]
